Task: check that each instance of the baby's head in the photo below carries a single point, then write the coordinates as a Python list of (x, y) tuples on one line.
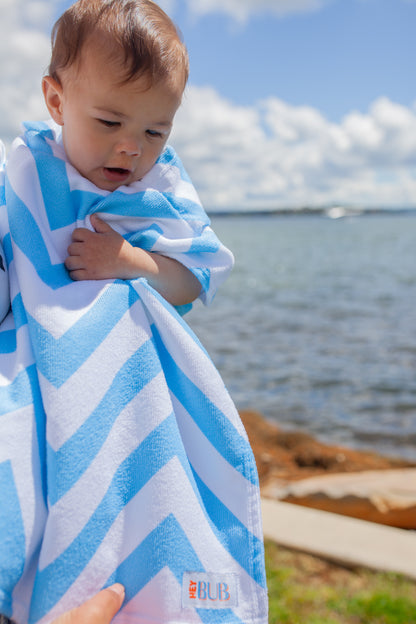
[(135, 33), (116, 78)]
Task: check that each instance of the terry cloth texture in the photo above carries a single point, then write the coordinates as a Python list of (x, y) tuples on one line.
[(122, 457), (4, 278)]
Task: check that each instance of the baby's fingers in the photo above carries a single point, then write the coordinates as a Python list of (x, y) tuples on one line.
[(74, 267), (99, 225), (79, 274), (81, 234), (75, 249), (77, 270)]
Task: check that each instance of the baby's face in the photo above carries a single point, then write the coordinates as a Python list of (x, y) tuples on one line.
[(113, 133)]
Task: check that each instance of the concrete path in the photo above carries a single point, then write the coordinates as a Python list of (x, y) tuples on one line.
[(339, 538)]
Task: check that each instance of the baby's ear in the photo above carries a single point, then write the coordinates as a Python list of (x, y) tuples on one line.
[(53, 94)]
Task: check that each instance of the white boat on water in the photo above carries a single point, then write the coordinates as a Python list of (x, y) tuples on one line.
[(337, 212)]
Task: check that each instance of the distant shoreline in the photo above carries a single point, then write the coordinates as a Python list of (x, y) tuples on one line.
[(332, 212)]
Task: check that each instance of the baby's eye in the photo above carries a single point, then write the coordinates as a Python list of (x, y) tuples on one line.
[(154, 133), (109, 124)]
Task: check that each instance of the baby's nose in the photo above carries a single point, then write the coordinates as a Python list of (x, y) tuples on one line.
[(130, 147)]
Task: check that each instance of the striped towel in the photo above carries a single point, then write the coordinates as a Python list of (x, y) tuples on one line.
[(122, 457)]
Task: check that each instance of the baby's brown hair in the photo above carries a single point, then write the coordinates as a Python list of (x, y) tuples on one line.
[(138, 32)]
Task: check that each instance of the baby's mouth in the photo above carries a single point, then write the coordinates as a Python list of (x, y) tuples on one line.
[(116, 174)]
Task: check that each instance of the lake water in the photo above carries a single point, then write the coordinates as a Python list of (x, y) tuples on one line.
[(316, 327)]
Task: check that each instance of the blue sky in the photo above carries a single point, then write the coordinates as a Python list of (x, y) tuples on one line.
[(338, 58), (290, 103)]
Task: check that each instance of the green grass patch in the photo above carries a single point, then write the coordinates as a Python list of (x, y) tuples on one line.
[(307, 590)]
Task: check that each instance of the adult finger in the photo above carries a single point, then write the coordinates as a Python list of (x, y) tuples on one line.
[(98, 610)]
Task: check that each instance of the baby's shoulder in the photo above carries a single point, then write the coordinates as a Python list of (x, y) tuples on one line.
[(168, 157)]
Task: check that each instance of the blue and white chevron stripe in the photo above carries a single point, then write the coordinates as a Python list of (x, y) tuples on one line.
[(122, 457)]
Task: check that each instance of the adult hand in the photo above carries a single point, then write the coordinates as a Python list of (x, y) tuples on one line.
[(98, 610)]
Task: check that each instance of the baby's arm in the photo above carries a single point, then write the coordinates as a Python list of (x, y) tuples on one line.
[(105, 254)]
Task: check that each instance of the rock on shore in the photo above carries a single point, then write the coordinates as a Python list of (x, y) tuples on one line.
[(295, 467)]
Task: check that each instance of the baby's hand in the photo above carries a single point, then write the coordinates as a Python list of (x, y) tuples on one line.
[(102, 254), (105, 254)]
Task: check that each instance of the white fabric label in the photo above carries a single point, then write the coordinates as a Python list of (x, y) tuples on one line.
[(208, 590)]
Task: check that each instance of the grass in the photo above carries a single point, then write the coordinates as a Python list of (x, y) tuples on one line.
[(307, 590)]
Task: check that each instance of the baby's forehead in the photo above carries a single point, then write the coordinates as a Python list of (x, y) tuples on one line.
[(101, 56), (99, 82), (102, 51), (94, 62)]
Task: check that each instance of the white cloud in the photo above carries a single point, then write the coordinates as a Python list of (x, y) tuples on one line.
[(277, 155), (24, 54), (240, 10)]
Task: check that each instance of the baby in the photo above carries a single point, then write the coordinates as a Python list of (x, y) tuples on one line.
[(122, 457), (116, 104)]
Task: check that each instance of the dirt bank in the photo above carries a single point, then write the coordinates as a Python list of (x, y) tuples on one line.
[(291, 455)]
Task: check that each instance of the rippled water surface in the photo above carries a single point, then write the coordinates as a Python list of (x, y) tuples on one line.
[(316, 327)]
